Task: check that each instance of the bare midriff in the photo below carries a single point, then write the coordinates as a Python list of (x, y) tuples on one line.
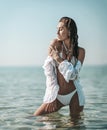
[(64, 87)]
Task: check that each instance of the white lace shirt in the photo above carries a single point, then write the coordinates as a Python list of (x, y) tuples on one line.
[(68, 71)]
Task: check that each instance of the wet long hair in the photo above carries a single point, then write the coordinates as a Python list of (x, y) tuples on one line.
[(72, 28)]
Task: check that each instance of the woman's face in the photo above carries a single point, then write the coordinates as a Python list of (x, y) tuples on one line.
[(62, 32)]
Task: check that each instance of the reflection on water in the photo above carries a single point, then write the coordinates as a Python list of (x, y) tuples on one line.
[(59, 121)]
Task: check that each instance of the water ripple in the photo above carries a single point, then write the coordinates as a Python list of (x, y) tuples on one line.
[(21, 92)]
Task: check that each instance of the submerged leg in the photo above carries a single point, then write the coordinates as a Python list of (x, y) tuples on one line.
[(75, 109)]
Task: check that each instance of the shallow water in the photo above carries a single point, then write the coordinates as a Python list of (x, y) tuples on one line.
[(22, 90)]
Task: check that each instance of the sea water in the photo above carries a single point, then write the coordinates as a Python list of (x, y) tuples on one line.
[(22, 90)]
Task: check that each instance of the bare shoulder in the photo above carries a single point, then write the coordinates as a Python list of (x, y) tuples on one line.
[(81, 51), (81, 55), (56, 43)]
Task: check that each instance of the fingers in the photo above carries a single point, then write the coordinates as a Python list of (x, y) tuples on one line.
[(50, 50), (53, 52), (51, 107), (51, 47), (48, 108), (56, 49)]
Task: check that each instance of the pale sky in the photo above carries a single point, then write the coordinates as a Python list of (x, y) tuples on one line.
[(28, 26)]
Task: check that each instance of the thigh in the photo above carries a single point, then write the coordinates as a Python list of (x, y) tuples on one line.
[(75, 109), (43, 108)]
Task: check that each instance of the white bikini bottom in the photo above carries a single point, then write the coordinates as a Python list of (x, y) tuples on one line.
[(65, 99)]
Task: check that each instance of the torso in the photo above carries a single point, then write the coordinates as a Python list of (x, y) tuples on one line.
[(65, 88)]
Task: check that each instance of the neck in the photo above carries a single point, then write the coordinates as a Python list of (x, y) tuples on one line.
[(67, 43)]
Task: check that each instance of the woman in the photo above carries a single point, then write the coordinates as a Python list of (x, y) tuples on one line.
[(62, 68)]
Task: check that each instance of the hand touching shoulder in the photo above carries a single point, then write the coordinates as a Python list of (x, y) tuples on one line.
[(56, 44)]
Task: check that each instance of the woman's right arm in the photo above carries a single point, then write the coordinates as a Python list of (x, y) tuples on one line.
[(52, 86)]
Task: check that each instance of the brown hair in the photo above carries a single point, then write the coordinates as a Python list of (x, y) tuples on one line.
[(71, 26)]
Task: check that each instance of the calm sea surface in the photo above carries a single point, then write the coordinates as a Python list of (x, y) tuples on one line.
[(22, 90)]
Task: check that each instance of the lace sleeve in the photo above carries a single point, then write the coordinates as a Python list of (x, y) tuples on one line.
[(52, 86), (68, 70)]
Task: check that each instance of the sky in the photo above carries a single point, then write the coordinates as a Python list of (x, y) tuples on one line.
[(28, 26)]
